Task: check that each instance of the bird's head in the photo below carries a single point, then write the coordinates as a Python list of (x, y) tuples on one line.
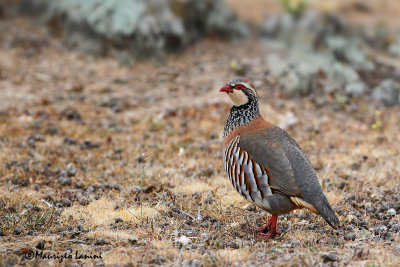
[(241, 91)]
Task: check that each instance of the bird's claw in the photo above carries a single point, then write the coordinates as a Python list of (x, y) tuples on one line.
[(268, 231), (269, 235)]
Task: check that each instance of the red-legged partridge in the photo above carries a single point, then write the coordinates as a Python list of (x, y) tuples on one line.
[(265, 165)]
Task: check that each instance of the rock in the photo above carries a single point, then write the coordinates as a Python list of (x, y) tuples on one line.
[(140, 159), (323, 53), (71, 171), (71, 114), (17, 231), (394, 48), (145, 28), (350, 236), (387, 92), (64, 180), (249, 207), (66, 202), (342, 74), (391, 212), (396, 228), (183, 240), (52, 129), (40, 245), (233, 245), (70, 141), (100, 242), (330, 257), (196, 263), (87, 144), (79, 185), (355, 89), (47, 197), (133, 240)]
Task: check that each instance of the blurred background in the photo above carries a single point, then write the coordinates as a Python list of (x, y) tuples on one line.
[(349, 48), (111, 121)]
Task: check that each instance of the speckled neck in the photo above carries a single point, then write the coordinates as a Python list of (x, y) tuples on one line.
[(242, 115)]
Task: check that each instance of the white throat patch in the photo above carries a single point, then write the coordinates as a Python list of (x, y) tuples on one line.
[(238, 98)]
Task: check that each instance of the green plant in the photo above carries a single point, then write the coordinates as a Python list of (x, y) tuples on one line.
[(294, 7)]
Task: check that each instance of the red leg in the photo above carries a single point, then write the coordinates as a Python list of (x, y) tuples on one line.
[(269, 230)]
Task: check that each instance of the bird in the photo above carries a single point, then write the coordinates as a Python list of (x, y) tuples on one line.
[(265, 164)]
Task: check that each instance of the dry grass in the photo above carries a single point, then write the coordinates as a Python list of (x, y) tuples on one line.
[(103, 212), (171, 111), (358, 12)]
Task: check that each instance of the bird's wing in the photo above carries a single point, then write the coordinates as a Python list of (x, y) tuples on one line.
[(269, 154)]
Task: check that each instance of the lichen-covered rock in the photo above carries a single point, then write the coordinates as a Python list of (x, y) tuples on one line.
[(295, 74), (324, 53), (394, 48), (356, 88), (387, 92), (145, 27)]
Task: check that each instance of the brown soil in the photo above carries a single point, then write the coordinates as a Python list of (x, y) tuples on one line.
[(78, 134)]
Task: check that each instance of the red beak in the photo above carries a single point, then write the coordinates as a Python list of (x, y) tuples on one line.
[(227, 89)]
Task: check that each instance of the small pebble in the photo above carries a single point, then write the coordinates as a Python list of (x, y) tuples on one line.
[(66, 202), (396, 228), (82, 229), (47, 198), (116, 187), (205, 224), (100, 242), (52, 129), (213, 136), (233, 245), (184, 240), (355, 166), (364, 222), (71, 171), (330, 257), (17, 231), (118, 220), (209, 200), (196, 263), (87, 144), (249, 207), (84, 201), (350, 236), (64, 180), (391, 212), (140, 159), (40, 245), (133, 240), (70, 141), (71, 114), (371, 209)]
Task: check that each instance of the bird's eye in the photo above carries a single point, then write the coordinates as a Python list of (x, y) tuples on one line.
[(239, 86)]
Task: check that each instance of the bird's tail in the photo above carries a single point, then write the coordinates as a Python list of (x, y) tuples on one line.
[(325, 210)]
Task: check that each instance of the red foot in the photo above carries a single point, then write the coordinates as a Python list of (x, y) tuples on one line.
[(268, 230)]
